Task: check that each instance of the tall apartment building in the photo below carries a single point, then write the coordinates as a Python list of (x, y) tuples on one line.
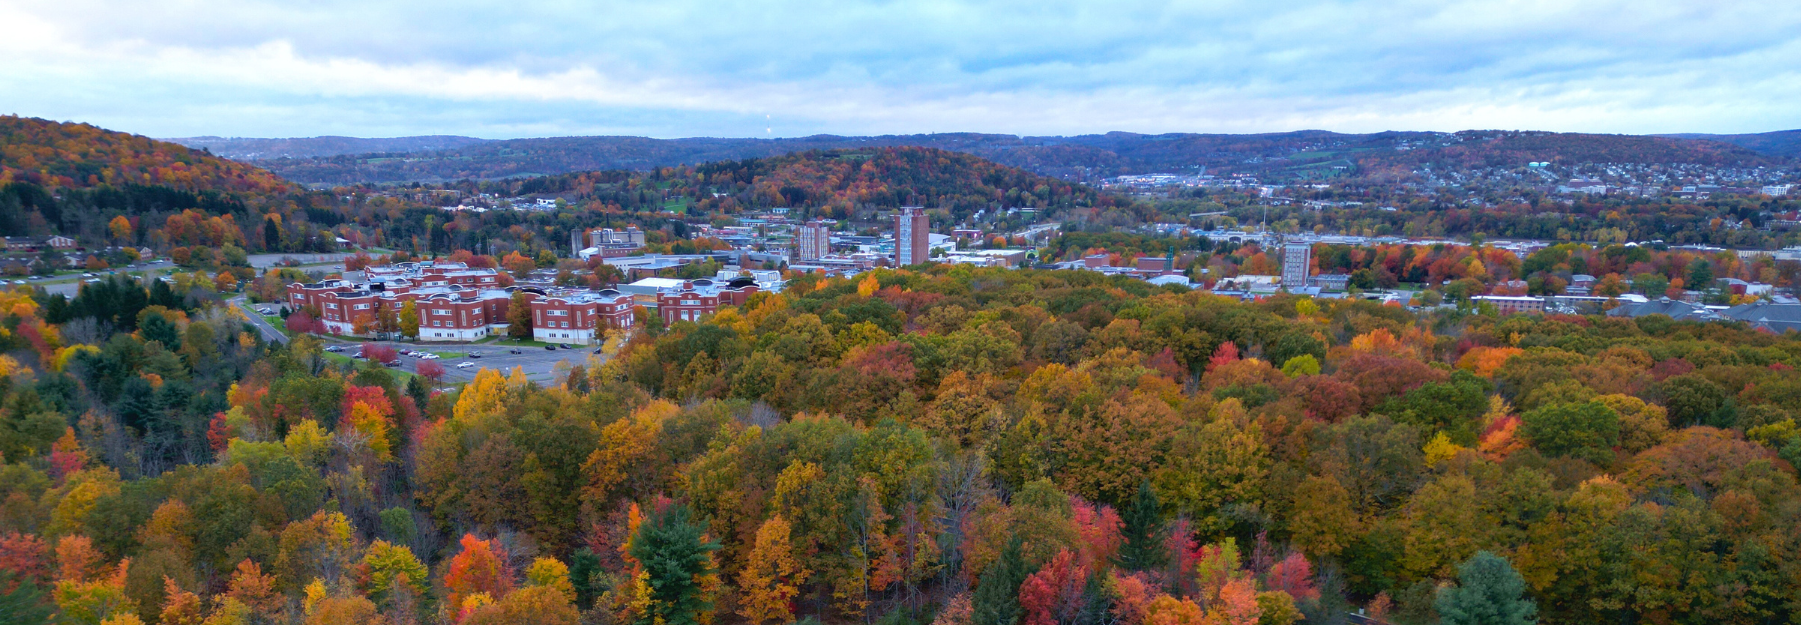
[(912, 236), (812, 241), (1297, 263)]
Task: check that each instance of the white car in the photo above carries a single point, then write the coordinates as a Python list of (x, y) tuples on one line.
[(465, 365), (429, 356)]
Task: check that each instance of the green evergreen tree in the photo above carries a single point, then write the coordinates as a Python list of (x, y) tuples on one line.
[(1143, 529), (419, 390), (157, 328), (271, 235), (21, 601), (585, 574), (675, 553), (1488, 592), (996, 601), (1700, 275)]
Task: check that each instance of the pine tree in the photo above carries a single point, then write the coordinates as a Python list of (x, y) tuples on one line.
[(1143, 530), (996, 599), (21, 601), (1488, 592), (676, 555), (585, 575)]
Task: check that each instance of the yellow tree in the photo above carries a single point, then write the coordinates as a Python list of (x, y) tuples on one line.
[(409, 320), (772, 577), (120, 227), (551, 573)]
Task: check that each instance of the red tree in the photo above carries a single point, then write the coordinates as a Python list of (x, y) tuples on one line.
[(376, 397), (1227, 353), (480, 568), (431, 370), (27, 555), (1054, 594), (1293, 575), (301, 322), (380, 353)]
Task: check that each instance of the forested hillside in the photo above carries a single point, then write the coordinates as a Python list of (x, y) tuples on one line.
[(54, 154), (960, 447), (251, 149), (1779, 143), (836, 182), (1081, 157)]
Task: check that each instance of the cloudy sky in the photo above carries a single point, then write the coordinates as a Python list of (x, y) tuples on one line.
[(678, 68)]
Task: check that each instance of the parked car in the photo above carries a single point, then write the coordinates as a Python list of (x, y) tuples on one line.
[(333, 348), (428, 356), (394, 364), (600, 351), (465, 365), (475, 354), (515, 351), (550, 348), (564, 346)]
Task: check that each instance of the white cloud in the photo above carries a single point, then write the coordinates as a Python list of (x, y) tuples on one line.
[(685, 68)]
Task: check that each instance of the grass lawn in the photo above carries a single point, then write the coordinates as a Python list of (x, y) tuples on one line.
[(516, 343), (400, 375)]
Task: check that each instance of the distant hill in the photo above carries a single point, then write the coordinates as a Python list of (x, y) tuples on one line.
[(58, 154), (241, 148), (843, 183), (1785, 143), (1273, 156), (1497, 148)]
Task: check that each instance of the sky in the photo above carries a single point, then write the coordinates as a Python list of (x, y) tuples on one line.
[(783, 68)]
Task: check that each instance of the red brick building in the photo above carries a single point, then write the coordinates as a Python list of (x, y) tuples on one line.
[(455, 302), (581, 318), (698, 298)]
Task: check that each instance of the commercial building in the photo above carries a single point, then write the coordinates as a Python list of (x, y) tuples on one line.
[(812, 240), (607, 236), (1297, 264), (1513, 304), (1329, 281), (912, 236), (608, 243), (33, 244)]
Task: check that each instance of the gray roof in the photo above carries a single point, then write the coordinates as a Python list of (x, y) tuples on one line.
[(1774, 317), (1674, 309)]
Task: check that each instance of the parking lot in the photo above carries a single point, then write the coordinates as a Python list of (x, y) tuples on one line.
[(539, 364)]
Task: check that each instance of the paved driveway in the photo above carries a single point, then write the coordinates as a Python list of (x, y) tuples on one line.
[(539, 364)]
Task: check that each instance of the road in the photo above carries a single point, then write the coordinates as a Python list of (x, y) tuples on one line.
[(265, 261), (268, 330), (70, 285)]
